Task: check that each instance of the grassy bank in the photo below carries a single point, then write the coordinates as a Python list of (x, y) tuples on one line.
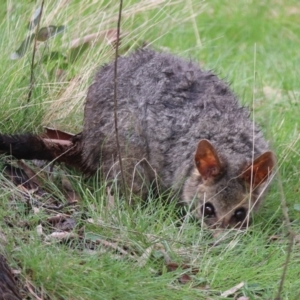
[(121, 253)]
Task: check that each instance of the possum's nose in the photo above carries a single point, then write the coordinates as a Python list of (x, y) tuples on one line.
[(231, 222), (225, 222)]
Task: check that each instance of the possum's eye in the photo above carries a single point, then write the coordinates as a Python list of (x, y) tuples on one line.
[(240, 215), (208, 210)]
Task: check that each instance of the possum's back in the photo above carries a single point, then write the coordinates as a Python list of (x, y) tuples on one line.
[(165, 106)]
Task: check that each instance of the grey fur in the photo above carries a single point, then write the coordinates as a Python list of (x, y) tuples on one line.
[(165, 106)]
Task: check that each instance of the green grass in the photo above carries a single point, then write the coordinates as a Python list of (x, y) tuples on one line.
[(254, 45)]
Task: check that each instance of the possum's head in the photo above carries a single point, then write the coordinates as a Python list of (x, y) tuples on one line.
[(223, 192)]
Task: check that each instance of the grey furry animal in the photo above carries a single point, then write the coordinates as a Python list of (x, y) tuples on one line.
[(179, 126)]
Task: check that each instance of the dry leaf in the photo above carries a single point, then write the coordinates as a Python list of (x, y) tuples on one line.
[(16, 175), (67, 224), (233, 290), (36, 210), (30, 288), (110, 199), (297, 238), (33, 179), (68, 191), (145, 257), (174, 266), (61, 236), (274, 237), (113, 246), (184, 278), (39, 230), (62, 222), (56, 219), (56, 134), (15, 272), (26, 180)]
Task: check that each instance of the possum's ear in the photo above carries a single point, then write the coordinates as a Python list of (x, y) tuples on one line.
[(258, 171), (207, 160)]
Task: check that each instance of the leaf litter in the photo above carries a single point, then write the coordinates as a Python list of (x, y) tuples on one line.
[(62, 225)]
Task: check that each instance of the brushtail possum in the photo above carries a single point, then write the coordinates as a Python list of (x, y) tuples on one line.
[(179, 126)]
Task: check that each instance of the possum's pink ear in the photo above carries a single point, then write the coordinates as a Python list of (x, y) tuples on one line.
[(258, 172), (207, 160)]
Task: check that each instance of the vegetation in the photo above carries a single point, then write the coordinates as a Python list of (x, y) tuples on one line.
[(115, 251)]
